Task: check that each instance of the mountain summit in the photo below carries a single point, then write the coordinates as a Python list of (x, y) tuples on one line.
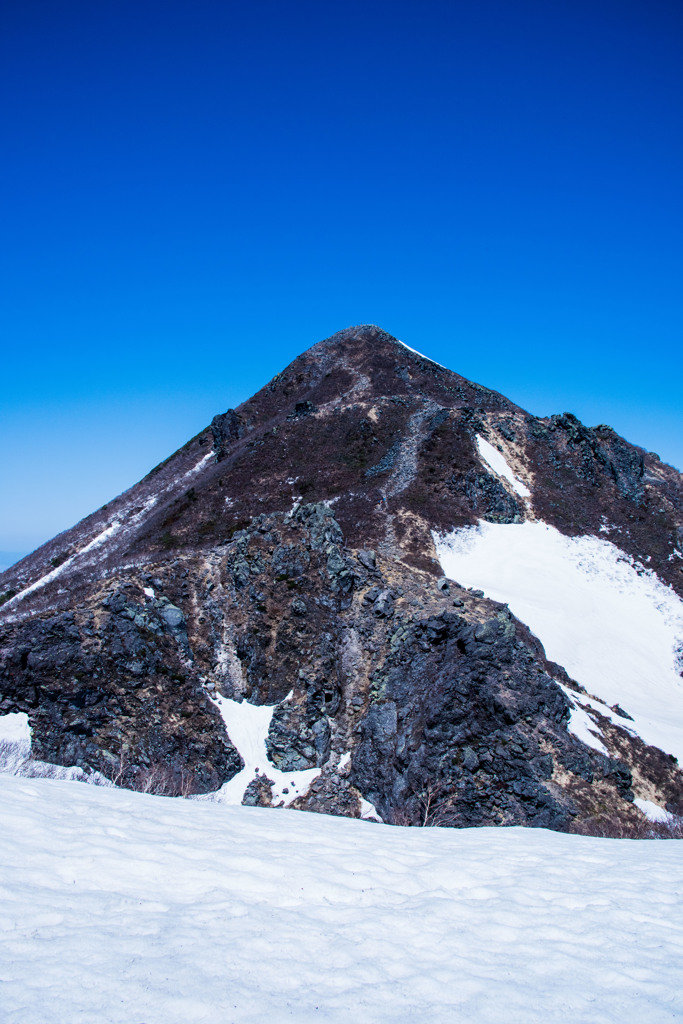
[(374, 589)]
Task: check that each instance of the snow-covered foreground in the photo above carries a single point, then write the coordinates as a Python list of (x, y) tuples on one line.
[(121, 907), (617, 631)]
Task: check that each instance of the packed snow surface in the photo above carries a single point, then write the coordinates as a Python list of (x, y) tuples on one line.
[(121, 908), (616, 629), (497, 462)]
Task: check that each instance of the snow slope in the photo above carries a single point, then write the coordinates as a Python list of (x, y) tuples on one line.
[(616, 630), (121, 908)]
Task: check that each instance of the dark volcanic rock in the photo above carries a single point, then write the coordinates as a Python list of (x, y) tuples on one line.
[(285, 556), (114, 689)]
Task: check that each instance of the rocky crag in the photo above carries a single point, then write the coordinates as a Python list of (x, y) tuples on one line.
[(285, 557)]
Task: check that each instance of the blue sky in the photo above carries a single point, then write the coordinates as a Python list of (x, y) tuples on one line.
[(194, 192)]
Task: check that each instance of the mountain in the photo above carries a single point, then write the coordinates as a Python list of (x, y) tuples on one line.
[(373, 589)]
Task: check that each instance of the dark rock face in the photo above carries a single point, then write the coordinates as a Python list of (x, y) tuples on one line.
[(460, 717), (284, 556), (259, 792), (225, 429), (113, 687)]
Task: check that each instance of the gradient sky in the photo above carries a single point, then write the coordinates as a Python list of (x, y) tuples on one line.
[(194, 192)]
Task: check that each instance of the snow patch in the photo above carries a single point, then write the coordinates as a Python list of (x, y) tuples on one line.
[(614, 627), (582, 725), (97, 541), (200, 465), (247, 726), (344, 760), (590, 703), (420, 354), (651, 810), (15, 742), (368, 811), (496, 461), (14, 728)]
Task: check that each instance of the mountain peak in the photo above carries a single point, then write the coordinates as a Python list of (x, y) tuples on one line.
[(358, 331), (364, 335), (357, 344)]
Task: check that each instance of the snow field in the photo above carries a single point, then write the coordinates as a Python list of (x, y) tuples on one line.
[(616, 630), (122, 908)]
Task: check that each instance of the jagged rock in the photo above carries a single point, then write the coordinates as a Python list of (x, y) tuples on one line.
[(172, 616), (259, 792), (225, 430), (368, 559), (384, 604)]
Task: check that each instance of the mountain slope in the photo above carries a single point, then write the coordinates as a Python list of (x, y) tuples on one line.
[(289, 555)]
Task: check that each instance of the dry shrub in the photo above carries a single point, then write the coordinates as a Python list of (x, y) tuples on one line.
[(434, 808), (400, 817), (607, 827), (13, 757), (158, 779), (161, 780), (436, 804)]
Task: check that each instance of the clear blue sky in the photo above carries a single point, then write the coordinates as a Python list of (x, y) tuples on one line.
[(193, 192)]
